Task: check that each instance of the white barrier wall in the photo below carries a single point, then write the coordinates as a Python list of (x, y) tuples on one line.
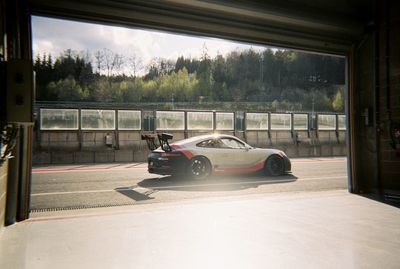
[(93, 135)]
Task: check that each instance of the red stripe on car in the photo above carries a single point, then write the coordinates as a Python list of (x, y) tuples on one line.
[(185, 152)]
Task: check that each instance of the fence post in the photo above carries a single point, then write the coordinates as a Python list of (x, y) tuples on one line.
[(292, 124), (337, 128), (234, 123), (38, 131), (214, 121), (269, 125), (244, 126), (185, 131), (116, 131), (80, 129), (153, 121)]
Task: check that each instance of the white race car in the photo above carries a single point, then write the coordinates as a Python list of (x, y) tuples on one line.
[(201, 156)]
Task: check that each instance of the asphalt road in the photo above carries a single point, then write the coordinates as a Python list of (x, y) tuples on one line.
[(102, 185)]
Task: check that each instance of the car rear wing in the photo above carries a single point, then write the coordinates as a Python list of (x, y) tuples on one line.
[(162, 138), (150, 140)]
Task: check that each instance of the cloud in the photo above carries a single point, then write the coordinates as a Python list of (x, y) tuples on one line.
[(54, 36)]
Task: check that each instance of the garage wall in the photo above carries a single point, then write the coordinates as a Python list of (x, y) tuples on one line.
[(377, 96), (366, 136), (16, 91), (3, 168), (3, 191), (388, 105)]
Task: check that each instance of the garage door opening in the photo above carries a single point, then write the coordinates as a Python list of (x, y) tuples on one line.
[(100, 88)]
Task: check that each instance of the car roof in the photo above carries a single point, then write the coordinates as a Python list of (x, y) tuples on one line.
[(199, 138)]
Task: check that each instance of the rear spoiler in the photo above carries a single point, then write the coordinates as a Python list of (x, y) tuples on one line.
[(162, 138)]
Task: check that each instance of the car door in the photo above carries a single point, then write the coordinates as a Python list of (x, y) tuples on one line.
[(213, 149), (236, 153)]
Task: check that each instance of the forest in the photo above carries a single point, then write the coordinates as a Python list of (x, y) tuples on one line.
[(273, 80)]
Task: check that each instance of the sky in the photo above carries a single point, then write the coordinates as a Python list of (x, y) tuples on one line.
[(54, 36)]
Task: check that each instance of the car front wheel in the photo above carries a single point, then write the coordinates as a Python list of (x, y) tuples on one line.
[(199, 168), (274, 166)]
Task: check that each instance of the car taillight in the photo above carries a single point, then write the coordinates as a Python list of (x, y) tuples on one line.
[(170, 154), (165, 156)]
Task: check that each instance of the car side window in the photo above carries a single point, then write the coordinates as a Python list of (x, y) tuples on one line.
[(210, 143), (232, 143)]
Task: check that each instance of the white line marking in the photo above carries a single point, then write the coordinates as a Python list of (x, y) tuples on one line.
[(189, 186), (73, 170), (95, 168), (242, 183), (70, 192), (312, 178)]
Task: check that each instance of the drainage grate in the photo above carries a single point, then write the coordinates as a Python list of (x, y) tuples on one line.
[(38, 210)]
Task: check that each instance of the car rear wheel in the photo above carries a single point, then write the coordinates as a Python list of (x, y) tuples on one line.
[(199, 168), (274, 166)]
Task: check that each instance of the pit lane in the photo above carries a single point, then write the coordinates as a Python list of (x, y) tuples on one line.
[(68, 187)]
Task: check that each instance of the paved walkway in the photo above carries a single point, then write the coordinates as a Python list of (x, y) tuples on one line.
[(332, 229)]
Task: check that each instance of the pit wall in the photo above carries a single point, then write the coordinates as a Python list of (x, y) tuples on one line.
[(64, 147)]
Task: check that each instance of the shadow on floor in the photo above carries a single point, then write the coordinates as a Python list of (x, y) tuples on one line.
[(214, 183), (132, 194)]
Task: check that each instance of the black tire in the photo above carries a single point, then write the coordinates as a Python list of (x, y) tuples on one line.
[(199, 168), (274, 166)]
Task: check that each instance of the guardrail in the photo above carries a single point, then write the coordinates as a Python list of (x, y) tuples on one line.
[(103, 135), (106, 119)]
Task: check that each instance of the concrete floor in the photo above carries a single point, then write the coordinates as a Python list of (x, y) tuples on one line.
[(332, 229)]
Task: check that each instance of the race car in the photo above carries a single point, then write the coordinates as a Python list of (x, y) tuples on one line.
[(200, 156)]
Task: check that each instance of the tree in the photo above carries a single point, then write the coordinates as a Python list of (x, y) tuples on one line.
[(99, 60), (152, 70), (108, 62), (112, 62), (204, 75), (294, 79), (159, 67), (135, 63), (102, 91), (338, 101), (177, 86), (165, 66), (133, 91), (191, 65), (67, 90), (317, 100), (180, 64), (219, 75)]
